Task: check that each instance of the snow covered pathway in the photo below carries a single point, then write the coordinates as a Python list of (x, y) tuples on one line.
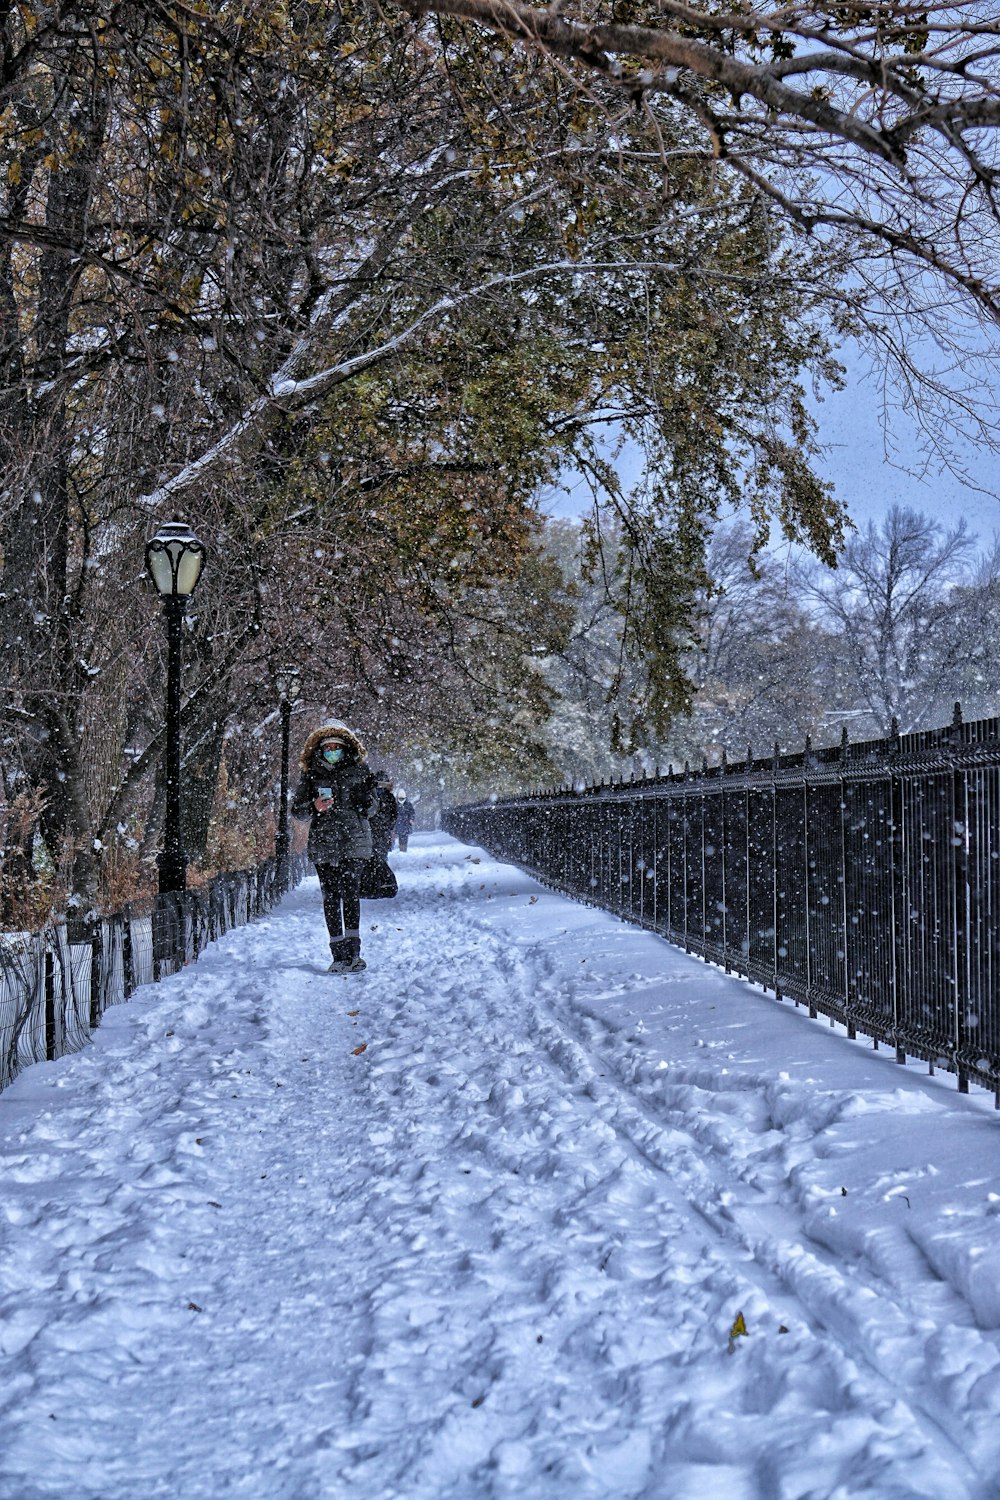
[(479, 1222)]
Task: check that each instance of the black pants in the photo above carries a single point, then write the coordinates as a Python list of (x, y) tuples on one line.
[(342, 907)]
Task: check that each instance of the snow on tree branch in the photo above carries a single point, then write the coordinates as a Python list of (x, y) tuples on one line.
[(288, 389)]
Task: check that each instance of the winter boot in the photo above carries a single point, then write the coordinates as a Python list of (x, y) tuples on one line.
[(342, 953)]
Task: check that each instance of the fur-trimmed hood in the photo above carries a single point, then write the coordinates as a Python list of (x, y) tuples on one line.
[(332, 731)]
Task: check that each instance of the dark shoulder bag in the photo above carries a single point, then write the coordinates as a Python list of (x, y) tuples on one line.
[(377, 880)]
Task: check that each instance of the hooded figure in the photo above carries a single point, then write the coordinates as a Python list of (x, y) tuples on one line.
[(336, 792), (405, 818)]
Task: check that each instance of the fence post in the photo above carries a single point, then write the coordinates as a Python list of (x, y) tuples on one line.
[(685, 855), (724, 835), (128, 962), (50, 1004), (806, 852), (842, 783), (897, 868), (96, 997), (960, 908), (774, 870), (669, 866)]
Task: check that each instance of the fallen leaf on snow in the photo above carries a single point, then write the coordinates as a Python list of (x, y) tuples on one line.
[(358, 1050)]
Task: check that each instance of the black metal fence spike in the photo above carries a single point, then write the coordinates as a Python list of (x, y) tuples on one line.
[(704, 763), (894, 727), (809, 744), (725, 759), (749, 753), (956, 722), (843, 737)]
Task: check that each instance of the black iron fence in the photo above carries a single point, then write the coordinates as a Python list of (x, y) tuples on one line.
[(860, 880), (56, 984)]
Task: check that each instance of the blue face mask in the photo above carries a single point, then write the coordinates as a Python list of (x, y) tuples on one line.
[(333, 755)]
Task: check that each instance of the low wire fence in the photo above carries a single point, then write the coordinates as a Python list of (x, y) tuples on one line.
[(860, 880), (57, 983)]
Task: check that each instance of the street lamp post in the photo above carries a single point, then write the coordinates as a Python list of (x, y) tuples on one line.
[(174, 559), (289, 686)]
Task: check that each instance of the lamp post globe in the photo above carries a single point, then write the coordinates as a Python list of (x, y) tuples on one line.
[(289, 684), (288, 681), (175, 558)]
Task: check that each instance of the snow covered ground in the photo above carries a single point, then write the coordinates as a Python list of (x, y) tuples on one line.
[(480, 1223)]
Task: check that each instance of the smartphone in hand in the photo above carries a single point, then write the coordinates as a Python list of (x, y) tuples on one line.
[(326, 792)]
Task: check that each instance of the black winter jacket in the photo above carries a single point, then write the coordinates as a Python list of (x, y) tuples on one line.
[(343, 831), (406, 817), (383, 821)]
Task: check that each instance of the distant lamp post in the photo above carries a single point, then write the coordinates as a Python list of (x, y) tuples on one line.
[(289, 685), (174, 560)]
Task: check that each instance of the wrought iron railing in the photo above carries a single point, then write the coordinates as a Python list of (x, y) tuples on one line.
[(56, 984), (860, 880)]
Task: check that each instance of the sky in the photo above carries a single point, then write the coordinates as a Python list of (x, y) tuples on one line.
[(537, 1206), (851, 432)]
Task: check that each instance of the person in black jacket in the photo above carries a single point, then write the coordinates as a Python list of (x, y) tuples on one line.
[(383, 819), (337, 793), (405, 818)]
